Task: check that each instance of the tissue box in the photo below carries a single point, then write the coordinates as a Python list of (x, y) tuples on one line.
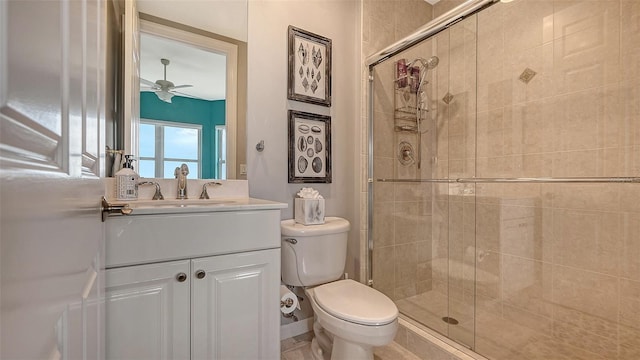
[(309, 211)]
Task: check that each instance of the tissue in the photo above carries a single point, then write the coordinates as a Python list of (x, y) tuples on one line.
[(288, 300), (309, 207)]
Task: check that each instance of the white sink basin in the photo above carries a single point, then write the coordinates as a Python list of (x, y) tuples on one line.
[(179, 203), (175, 206)]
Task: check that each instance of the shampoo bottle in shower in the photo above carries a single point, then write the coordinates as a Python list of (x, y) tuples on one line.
[(127, 181), (401, 73), (414, 79)]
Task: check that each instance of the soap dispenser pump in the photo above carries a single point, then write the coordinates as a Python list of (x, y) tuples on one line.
[(127, 181)]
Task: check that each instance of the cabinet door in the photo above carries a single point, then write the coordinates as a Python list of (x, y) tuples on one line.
[(147, 309), (235, 306)]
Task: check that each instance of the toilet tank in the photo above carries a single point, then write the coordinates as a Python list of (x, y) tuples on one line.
[(313, 254)]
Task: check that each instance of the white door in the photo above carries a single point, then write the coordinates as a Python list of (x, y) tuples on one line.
[(234, 306), (51, 164), (148, 307)]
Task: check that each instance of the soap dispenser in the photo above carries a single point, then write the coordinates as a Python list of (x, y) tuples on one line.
[(127, 181)]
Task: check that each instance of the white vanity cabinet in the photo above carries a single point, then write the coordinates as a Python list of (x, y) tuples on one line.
[(201, 285), (148, 311), (233, 306)]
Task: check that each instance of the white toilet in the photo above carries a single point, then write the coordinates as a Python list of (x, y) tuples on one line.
[(350, 318)]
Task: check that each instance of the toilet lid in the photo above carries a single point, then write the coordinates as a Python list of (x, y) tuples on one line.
[(352, 301)]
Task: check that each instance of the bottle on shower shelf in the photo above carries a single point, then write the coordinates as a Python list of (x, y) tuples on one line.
[(401, 73), (414, 79)]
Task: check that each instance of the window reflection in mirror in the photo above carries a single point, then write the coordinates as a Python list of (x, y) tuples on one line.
[(165, 145)]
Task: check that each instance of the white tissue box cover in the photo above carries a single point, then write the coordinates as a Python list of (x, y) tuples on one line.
[(309, 211)]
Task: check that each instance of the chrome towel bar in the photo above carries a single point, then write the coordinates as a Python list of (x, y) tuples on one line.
[(523, 180)]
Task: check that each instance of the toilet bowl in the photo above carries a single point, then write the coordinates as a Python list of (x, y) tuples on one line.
[(357, 316), (349, 318)]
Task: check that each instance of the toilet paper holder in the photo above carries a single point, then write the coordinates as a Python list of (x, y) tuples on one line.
[(287, 303)]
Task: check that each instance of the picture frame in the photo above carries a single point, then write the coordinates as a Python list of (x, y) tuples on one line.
[(309, 78), (309, 148)]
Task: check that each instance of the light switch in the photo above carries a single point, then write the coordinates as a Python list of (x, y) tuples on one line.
[(243, 169)]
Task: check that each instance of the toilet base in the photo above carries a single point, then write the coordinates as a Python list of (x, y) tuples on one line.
[(342, 350), (326, 346), (316, 352)]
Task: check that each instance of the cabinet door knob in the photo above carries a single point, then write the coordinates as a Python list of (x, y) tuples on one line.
[(200, 274), (181, 277)]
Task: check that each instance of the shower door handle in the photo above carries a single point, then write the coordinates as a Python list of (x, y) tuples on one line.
[(291, 241)]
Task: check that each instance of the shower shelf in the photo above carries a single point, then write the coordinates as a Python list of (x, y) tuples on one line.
[(523, 180), (406, 111)]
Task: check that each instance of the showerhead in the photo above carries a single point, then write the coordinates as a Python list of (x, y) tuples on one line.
[(432, 62), (428, 64)]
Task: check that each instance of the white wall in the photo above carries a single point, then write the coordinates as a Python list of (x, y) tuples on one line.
[(338, 20), (223, 17)]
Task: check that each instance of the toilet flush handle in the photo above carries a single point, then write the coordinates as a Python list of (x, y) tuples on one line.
[(291, 241)]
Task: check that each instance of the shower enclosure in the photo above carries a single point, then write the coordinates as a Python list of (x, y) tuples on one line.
[(504, 178)]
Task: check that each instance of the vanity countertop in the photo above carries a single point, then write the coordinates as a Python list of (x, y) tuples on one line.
[(150, 207), (230, 195)]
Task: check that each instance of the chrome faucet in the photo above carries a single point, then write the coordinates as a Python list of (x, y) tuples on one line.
[(181, 173), (204, 194), (158, 194)]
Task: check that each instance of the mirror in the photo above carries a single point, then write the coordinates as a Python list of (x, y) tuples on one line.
[(179, 67)]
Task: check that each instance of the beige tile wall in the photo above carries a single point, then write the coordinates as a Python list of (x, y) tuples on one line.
[(565, 257), (384, 22)]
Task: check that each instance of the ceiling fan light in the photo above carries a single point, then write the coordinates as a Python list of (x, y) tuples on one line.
[(164, 96)]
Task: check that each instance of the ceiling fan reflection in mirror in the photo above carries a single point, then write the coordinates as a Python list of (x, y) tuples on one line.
[(164, 88)]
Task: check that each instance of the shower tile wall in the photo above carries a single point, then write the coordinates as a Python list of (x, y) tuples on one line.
[(383, 23), (561, 261), (454, 218), (402, 214), (419, 227)]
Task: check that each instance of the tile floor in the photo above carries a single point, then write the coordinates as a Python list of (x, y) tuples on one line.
[(299, 348)]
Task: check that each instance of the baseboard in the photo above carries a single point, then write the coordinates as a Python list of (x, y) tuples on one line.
[(296, 328)]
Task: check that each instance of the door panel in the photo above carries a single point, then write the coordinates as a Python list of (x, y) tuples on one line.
[(51, 91)]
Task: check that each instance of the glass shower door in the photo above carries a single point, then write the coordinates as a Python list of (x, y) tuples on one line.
[(423, 223)]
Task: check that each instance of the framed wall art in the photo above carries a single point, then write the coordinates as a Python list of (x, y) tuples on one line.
[(309, 67), (309, 148)]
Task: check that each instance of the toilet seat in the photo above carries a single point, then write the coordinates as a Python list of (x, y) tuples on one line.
[(354, 302)]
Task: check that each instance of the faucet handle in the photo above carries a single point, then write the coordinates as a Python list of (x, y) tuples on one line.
[(204, 194), (158, 194)]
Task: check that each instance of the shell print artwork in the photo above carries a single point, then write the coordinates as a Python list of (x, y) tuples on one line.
[(304, 128), (302, 143), (316, 165), (309, 139), (314, 86), (318, 145), (303, 54), (301, 72), (316, 129), (310, 152), (317, 58), (302, 164)]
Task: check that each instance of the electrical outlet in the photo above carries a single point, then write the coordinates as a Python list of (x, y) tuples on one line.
[(243, 169)]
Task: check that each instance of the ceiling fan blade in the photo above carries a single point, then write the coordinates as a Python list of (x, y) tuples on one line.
[(147, 82), (181, 86), (187, 95)]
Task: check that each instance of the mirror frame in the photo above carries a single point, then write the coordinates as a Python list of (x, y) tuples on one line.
[(132, 122)]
